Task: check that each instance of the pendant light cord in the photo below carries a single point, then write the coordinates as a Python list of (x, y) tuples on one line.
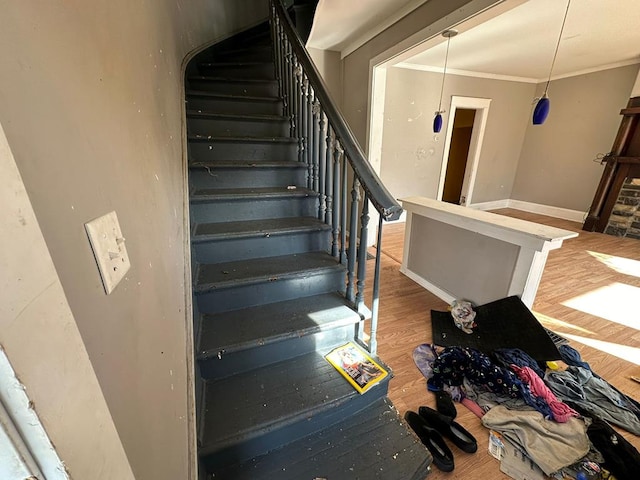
[(555, 54), (444, 73)]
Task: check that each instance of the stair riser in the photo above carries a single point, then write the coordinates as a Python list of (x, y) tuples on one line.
[(252, 209), (225, 299), (247, 177), (282, 436), (255, 54), (245, 248), (238, 87), (259, 70), (236, 107), (203, 151), (238, 362), (238, 127)]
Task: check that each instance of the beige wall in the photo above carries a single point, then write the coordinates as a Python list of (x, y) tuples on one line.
[(406, 33), (635, 91), (91, 102), (329, 66), (412, 154), (556, 165), (42, 342)]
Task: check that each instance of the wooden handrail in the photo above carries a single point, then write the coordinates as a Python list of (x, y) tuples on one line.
[(382, 200)]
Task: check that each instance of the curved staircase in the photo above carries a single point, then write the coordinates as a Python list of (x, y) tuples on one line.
[(269, 293)]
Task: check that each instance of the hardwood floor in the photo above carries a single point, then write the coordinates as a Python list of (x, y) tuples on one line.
[(591, 276)]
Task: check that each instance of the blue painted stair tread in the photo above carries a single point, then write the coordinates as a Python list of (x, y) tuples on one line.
[(272, 226), (356, 448), (238, 329), (266, 399), (504, 323), (221, 275)]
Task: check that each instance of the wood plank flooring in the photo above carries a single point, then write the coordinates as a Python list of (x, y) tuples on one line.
[(605, 270)]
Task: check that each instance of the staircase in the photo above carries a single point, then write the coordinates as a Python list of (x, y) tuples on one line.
[(269, 285)]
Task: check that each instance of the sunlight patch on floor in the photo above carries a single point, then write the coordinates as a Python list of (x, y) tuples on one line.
[(626, 266), (553, 323), (616, 302), (625, 352)]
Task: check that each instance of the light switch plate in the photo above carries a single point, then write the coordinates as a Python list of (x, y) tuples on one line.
[(108, 247)]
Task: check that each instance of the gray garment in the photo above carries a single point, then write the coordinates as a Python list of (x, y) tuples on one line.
[(487, 399), (551, 445), (593, 394)]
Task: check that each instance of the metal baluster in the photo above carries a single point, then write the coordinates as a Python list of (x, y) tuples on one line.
[(280, 56), (337, 162), (343, 214), (291, 86), (323, 140), (300, 112), (306, 127), (286, 97), (353, 226), (314, 135), (362, 253), (295, 89), (373, 341)]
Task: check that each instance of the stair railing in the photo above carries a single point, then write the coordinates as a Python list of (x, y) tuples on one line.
[(334, 159)]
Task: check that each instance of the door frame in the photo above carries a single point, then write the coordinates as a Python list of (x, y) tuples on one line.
[(481, 106)]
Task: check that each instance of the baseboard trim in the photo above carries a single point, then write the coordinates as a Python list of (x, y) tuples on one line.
[(437, 291), (493, 205), (551, 211)]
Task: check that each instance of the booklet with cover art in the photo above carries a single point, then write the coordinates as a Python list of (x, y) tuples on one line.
[(356, 366)]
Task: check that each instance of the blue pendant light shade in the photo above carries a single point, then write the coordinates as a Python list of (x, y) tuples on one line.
[(541, 111), (437, 120), (437, 123)]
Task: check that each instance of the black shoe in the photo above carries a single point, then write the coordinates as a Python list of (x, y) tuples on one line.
[(450, 429), (444, 404), (442, 456)]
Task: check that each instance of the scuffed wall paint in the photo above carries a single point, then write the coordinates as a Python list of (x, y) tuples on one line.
[(92, 104)]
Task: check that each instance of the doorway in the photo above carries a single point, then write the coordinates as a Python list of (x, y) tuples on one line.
[(458, 153), (466, 153)]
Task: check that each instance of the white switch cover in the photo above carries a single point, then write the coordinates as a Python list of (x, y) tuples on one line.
[(108, 247)]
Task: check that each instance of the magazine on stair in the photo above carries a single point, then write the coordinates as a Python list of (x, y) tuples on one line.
[(354, 364)]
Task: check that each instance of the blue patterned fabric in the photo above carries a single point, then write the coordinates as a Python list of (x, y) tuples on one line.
[(455, 364), (517, 357)]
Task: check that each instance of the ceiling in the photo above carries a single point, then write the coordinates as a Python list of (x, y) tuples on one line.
[(518, 44)]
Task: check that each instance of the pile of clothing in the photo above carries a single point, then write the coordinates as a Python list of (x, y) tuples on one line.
[(559, 418)]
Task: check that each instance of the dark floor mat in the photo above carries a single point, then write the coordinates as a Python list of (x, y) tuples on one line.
[(505, 323)]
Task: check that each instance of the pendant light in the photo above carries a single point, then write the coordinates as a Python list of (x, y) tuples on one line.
[(437, 120), (541, 111)]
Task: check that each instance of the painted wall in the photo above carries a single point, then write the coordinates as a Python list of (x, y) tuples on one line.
[(329, 66), (556, 165), (424, 22), (91, 102), (635, 91), (412, 154), (43, 344)]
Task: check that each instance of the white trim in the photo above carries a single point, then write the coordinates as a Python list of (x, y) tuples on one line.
[(624, 63), (423, 282), (398, 15), (25, 419), (493, 205), (481, 105), (549, 210), (514, 78), (466, 73)]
